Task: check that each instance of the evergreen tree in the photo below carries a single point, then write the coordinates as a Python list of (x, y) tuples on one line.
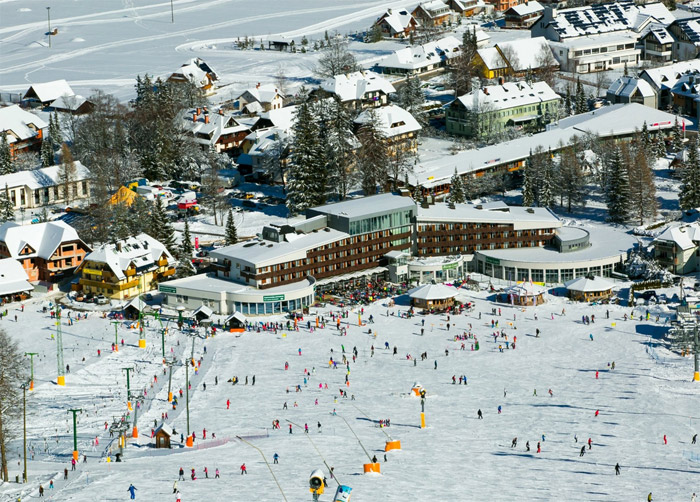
[(659, 145), (568, 103), (412, 99), (375, 34), (55, 133), (642, 190), (580, 105), (306, 185), (373, 157), (546, 190), (184, 264), (231, 236), (690, 178), (417, 194), (47, 155), (646, 141), (6, 166), (119, 229), (160, 228), (139, 216), (340, 144), (530, 181), (457, 195), (7, 209), (676, 137), (617, 190), (571, 182)]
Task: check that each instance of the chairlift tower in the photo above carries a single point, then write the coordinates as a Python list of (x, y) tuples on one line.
[(61, 379)]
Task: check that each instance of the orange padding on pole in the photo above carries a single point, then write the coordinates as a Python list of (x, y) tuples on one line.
[(392, 445), (372, 467)]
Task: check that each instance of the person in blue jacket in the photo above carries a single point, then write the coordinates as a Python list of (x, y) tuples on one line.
[(132, 491)]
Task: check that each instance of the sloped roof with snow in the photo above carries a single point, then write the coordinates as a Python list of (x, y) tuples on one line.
[(685, 236), (586, 285), (282, 118), (42, 178), (67, 102), (492, 58), (420, 56), (264, 93), (434, 8), (433, 292), (19, 122), (525, 289), (13, 277), (608, 17), (196, 71), (524, 54), (627, 86), (525, 9), (42, 238), (666, 77), (508, 95), (210, 132), (353, 86), (398, 20), (143, 251), (688, 85), (47, 92), (393, 120), (691, 29), (661, 34)]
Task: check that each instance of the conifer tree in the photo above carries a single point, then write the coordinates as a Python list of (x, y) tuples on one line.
[(6, 166), (546, 191), (530, 180), (580, 105), (55, 133), (571, 182), (339, 150), (373, 157), (568, 103), (617, 190), (139, 216), (306, 185), (184, 264), (676, 137), (642, 190), (7, 209), (659, 145), (412, 99), (456, 195), (690, 178), (231, 236), (47, 155), (160, 228)]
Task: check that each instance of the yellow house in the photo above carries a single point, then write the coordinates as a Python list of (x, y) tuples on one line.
[(126, 268), (491, 63)]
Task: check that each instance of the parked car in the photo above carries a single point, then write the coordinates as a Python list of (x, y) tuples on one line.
[(101, 300)]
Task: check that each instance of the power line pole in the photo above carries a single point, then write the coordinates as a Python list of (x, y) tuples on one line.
[(48, 13), (31, 355), (75, 432), (24, 419), (61, 379)]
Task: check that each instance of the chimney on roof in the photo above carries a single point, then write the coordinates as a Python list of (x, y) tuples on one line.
[(221, 111), (206, 119), (199, 110), (205, 110), (389, 11), (486, 91), (194, 117), (501, 80), (258, 85)]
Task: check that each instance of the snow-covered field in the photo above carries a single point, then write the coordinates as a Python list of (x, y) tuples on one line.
[(457, 457), (105, 44)]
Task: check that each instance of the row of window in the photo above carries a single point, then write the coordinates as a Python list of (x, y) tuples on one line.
[(601, 50), (540, 275)]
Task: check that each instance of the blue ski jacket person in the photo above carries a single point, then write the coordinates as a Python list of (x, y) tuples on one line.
[(132, 491)]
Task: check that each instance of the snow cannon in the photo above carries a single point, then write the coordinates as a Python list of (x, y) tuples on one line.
[(316, 483), (342, 494), (417, 389)]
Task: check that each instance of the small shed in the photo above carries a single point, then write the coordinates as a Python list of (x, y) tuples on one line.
[(432, 296), (235, 322), (135, 307), (202, 313), (162, 435), (523, 294), (588, 289)]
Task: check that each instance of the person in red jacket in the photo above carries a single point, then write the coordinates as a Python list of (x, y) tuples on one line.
[(243, 469)]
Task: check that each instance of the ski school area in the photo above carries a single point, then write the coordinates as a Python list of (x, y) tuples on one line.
[(519, 403)]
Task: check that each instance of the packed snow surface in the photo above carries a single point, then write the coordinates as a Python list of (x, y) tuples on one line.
[(649, 394)]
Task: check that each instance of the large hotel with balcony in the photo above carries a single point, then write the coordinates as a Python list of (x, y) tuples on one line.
[(389, 236)]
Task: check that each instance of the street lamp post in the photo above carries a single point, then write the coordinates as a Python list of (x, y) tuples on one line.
[(48, 13)]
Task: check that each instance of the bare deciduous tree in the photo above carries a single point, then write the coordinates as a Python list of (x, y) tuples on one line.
[(13, 373)]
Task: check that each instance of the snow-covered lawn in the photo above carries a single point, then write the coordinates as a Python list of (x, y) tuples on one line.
[(647, 395)]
